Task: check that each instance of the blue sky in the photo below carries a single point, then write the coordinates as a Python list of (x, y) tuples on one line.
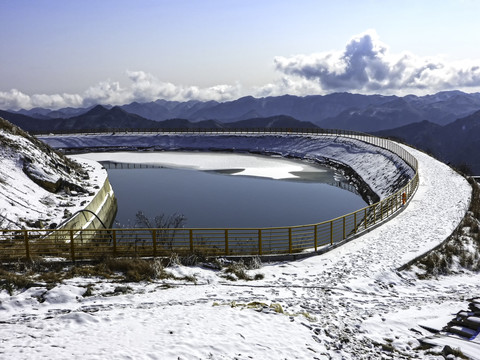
[(76, 53)]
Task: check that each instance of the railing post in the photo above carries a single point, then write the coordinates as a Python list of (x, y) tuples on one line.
[(331, 232), (226, 241), (72, 246), (315, 236), (114, 242), (191, 240), (27, 245), (259, 241), (154, 242), (365, 219), (289, 240)]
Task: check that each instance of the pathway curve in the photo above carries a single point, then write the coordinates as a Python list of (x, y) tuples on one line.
[(350, 303)]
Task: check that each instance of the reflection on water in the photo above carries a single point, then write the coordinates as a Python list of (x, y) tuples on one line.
[(218, 199)]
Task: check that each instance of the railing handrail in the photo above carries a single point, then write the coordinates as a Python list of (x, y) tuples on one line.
[(372, 214)]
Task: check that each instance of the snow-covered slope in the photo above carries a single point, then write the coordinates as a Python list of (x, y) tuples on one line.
[(350, 303), (40, 188)]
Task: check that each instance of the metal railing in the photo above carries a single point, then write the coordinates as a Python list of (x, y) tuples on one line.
[(72, 244)]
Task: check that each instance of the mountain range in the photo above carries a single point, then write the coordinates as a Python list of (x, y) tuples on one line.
[(446, 124), (115, 118), (337, 110), (457, 143)]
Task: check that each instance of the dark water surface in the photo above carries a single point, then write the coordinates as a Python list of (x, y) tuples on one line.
[(217, 199)]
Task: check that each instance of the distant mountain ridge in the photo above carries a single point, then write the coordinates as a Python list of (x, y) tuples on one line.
[(457, 143), (101, 118), (337, 110), (446, 124)]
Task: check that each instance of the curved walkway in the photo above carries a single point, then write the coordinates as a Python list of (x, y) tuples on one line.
[(343, 304)]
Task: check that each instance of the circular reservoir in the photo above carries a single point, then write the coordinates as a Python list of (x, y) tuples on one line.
[(225, 190)]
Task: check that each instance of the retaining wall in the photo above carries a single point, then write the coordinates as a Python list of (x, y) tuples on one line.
[(104, 205)]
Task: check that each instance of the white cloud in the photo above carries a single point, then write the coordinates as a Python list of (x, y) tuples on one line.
[(365, 65), (144, 87), (15, 99)]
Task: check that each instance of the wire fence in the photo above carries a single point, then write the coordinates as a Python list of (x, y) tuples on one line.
[(83, 244)]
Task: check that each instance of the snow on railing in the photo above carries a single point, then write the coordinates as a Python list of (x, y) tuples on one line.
[(28, 244)]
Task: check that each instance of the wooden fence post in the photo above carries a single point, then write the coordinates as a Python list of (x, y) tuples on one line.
[(331, 232), (114, 241), (226, 241), (365, 219), (154, 242), (72, 246), (355, 222), (27, 245), (289, 240), (190, 235), (259, 241)]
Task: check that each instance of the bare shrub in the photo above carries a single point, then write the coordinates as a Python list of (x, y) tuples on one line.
[(462, 247), (166, 225), (255, 263), (238, 271), (475, 203), (10, 281), (174, 260), (134, 270), (258, 276)]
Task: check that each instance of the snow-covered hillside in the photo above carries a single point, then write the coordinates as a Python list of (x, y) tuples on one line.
[(350, 303), (40, 188)]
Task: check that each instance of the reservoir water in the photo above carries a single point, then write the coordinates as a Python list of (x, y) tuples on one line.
[(225, 190)]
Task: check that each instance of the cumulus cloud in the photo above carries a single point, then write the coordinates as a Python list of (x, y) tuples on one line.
[(143, 87), (15, 99), (367, 65)]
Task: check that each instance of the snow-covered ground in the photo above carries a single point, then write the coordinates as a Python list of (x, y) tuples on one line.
[(350, 303)]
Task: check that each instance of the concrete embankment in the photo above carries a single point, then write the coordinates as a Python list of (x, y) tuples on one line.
[(98, 214), (99, 210)]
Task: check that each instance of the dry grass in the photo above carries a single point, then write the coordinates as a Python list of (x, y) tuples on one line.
[(10, 281), (25, 275), (462, 249), (22, 275), (238, 270)]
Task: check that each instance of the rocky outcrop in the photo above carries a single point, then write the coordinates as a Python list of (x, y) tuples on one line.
[(49, 181)]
